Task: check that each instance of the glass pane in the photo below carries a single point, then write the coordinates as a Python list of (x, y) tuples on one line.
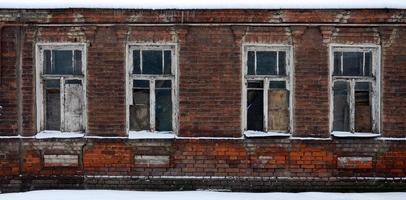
[(352, 63), (277, 84), (78, 62), (73, 106), (337, 63), (62, 62), (278, 110), (368, 64), (255, 110), (139, 111), (341, 110), (47, 62), (167, 62), (136, 62), (163, 109), (282, 63), (52, 105), (141, 84), (152, 62), (163, 84), (363, 119), (256, 84), (266, 63), (251, 63)]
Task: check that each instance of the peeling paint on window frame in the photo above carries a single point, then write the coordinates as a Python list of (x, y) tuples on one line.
[(39, 68), (267, 78), (174, 77), (374, 79)]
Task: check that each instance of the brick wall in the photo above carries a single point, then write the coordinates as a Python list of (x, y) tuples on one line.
[(209, 60)]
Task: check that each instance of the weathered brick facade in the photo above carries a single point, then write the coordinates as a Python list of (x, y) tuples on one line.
[(209, 150)]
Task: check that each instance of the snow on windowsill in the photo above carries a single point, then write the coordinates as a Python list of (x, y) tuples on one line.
[(58, 134), (342, 134), (151, 135), (254, 134)]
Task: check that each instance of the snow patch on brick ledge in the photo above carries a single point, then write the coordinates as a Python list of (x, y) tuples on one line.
[(151, 135), (358, 135), (58, 134), (252, 134)]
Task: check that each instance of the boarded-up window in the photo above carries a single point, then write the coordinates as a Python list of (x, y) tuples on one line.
[(152, 76), (62, 86), (278, 106), (353, 89), (267, 84)]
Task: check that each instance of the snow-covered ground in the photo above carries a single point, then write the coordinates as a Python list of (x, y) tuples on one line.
[(193, 195)]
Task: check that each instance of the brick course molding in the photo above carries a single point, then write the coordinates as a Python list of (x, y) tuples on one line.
[(209, 149)]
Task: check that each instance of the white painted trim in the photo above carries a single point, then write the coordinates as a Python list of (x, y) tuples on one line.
[(375, 82), (174, 77), (39, 49), (266, 78)]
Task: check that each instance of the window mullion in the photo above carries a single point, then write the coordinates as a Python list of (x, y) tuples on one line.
[(352, 105), (152, 105), (62, 103), (255, 62), (277, 62), (265, 92)]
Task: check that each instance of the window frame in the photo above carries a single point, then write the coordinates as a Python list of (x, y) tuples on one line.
[(374, 80), (266, 78), (39, 77), (130, 47)]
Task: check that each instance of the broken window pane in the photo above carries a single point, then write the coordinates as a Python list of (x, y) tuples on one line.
[(266, 63), (163, 105), (352, 63), (52, 104), (47, 62), (62, 62), (139, 111), (73, 106), (363, 121), (255, 106), (282, 63), (136, 62), (337, 63), (152, 62), (251, 62), (278, 110), (78, 62), (341, 106), (167, 62)]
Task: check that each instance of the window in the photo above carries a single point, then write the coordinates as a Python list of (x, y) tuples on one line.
[(61, 87), (152, 82), (355, 88), (266, 96)]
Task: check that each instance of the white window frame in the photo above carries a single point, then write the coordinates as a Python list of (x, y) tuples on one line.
[(375, 81), (39, 88), (266, 78), (130, 47)]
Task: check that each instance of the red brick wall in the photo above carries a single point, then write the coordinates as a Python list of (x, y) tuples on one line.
[(209, 61)]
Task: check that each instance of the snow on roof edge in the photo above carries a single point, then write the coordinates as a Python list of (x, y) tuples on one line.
[(203, 4)]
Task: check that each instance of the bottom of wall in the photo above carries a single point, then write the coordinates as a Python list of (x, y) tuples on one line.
[(227, 184)]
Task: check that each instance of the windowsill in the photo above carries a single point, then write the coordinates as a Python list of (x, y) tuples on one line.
[(58, 134), (254, 134), (342, 134), (151, 135)]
